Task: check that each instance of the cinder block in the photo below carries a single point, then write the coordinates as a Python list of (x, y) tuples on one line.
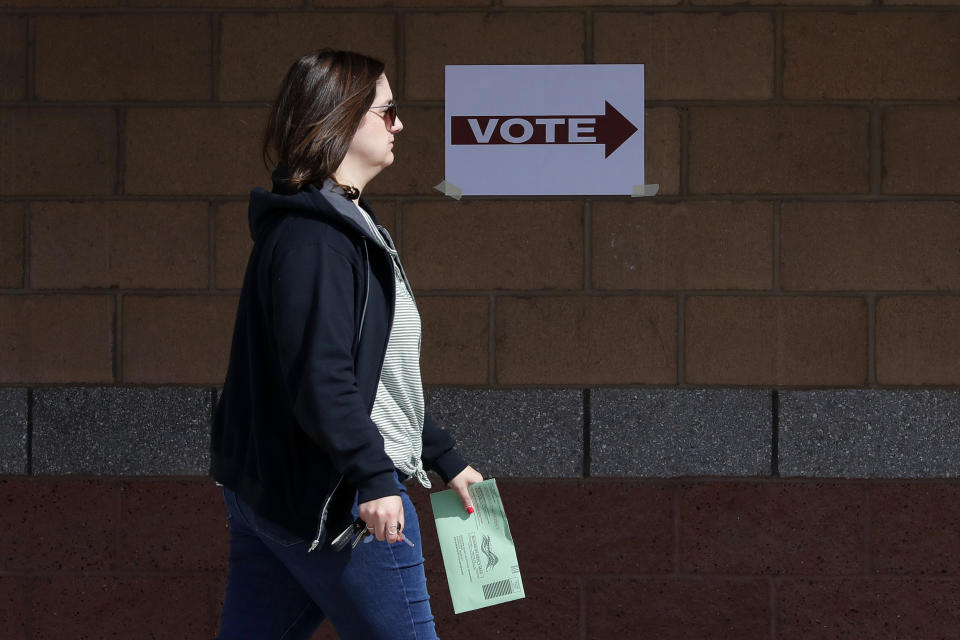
[(925, 2), (911, 531), (66, 338), (679, 432), (57, 525), (679, 608), (187, 151), (776, 340), (870, 433), (172, 525), (885, 56), (824, 609), (13, 430), (586, 3), (13, 57), (119, 244), (177, 339), (216, 4), (920, 150), (511, 244), (686, 245), (691, 56), (754, 150), (917, 340), (105, 605), (434, 40), (258, 49), (417, 4), (123, 57), (418, 156), (233, 243), (661, 140), (563, 526), (586, 340), (58, 151), (878, 246), (121, 430), (58, 4), (11, 244), (456, 339), (780, 2), (772, 528), (535, 432)]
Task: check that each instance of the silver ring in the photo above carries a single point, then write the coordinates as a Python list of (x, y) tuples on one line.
[(369, 528), (392, 530)]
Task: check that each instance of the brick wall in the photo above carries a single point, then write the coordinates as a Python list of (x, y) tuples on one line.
[(731, 411)]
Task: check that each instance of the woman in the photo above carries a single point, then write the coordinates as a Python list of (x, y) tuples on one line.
[(321, 418)]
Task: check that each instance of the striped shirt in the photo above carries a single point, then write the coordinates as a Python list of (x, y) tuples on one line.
[(398, 408)]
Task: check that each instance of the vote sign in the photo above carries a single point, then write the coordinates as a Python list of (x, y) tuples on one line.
[(544, 129)]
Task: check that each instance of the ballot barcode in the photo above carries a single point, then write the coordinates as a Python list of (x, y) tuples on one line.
[(497, 589)]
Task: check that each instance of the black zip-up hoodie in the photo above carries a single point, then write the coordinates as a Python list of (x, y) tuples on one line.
[(292, 433)]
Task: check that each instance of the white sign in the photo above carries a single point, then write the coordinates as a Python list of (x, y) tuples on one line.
[(544, 129)]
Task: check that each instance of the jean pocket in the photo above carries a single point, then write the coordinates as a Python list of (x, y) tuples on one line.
[(274, 532)]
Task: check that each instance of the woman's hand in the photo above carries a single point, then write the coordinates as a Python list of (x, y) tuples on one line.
[(461, 483), (384, 517)]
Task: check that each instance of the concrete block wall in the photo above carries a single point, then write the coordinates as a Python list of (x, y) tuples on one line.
[(730, 411)]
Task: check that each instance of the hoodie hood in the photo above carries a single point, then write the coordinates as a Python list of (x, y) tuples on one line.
[(328, 203)]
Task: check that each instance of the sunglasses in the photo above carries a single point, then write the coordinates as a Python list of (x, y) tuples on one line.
[(390, 115)]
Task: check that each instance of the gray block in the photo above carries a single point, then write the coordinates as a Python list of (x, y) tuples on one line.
[(870, 433), (121, 430), (526, 433), (13, 430), (680, 432)]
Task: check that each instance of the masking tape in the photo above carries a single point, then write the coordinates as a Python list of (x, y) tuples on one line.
[(642, 190), (448, 189)]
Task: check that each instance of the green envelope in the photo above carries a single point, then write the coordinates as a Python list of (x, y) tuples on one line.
[(478, 551)]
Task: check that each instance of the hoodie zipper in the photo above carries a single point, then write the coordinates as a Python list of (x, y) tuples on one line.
[(324, 512), (323, 515)]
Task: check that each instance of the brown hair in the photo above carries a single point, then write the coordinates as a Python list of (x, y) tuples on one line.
[(318, 109)]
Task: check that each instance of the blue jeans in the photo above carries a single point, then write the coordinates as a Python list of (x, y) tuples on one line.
[(277, 590)]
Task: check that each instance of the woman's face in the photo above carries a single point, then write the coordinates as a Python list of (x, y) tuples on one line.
[(371, 148)]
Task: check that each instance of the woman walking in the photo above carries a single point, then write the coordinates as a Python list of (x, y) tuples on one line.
[(322, 419)]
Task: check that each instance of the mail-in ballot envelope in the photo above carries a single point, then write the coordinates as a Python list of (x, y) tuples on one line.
[(478, 551)]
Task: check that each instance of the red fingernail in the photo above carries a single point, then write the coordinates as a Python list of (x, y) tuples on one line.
[(469, 509)]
